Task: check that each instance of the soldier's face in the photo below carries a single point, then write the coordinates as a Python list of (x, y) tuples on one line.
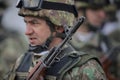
[(37, 30), (95, 17)]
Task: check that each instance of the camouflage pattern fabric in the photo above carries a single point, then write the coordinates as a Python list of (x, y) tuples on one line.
[(90, 70), (12, 45), (91, 45)]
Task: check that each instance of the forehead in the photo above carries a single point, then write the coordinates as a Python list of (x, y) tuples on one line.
[(30, 18)]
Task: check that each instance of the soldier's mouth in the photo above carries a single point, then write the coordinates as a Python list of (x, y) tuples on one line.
[(32, 39)]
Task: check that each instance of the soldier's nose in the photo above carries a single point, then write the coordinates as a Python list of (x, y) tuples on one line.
[(29, 30)]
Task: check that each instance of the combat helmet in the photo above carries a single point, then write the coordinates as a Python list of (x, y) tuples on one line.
[(111, 9), (60, 12), (91, 3)]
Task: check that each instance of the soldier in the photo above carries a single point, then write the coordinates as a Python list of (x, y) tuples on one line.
[(89, 34), (89, 37), (44, 22), (11, 45)]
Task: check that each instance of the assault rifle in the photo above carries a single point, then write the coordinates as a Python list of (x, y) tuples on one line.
[(41, 66)]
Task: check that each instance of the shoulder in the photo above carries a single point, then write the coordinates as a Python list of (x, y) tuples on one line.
[(91, 70), (88, 68)]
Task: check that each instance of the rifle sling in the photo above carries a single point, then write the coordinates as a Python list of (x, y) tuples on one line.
[(60, 67)]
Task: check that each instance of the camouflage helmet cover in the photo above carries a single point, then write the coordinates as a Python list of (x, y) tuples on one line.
[(91, 3), (56, 16), (111, 7)]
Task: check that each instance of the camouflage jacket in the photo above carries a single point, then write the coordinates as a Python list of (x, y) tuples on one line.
[(12, 45), (115, 38), (93, 44), (85, 68)]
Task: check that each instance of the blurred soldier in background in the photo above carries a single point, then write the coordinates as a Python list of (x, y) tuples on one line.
[(11, 44), (89, 36)]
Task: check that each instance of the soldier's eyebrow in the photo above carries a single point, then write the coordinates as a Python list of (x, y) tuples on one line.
[(33, 21)]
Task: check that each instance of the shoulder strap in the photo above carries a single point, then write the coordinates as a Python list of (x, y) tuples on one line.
[(23, 67), (60, 67)]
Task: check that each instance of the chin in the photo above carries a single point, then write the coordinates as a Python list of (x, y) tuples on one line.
[(33, 44)]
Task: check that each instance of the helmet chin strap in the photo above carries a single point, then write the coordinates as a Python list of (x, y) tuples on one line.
[(41, 48), (45, 46)]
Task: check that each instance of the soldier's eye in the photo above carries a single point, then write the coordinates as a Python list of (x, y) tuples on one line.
[(34, 22)]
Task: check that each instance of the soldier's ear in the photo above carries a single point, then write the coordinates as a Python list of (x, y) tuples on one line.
[(59, 29)]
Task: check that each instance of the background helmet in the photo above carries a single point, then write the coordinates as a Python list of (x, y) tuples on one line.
[(57, 17), (111, 9), (91, 3), (83, 5)]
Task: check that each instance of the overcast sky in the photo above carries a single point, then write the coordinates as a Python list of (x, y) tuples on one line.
[(11, 19)]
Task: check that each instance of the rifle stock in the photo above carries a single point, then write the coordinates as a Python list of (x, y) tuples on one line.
[(107, 61), (40, 67)]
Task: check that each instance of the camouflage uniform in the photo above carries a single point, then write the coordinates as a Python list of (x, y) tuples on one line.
[(91, 70), (11, 45), (86, 67)]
